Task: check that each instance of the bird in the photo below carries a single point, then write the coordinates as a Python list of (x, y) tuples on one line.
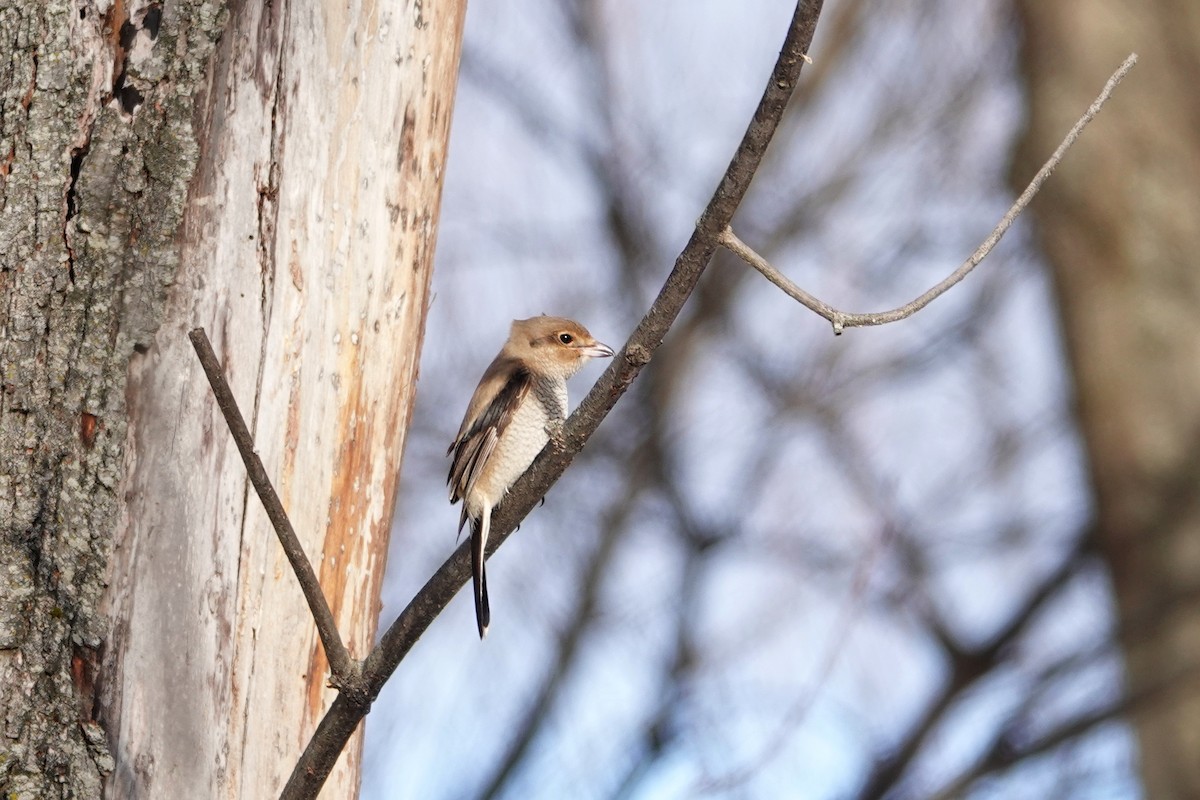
[(520, 403)]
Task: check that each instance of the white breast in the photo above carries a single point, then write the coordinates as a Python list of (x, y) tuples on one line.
[(520, 443)]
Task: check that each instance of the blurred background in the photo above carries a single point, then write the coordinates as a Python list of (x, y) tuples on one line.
[(949, 557)]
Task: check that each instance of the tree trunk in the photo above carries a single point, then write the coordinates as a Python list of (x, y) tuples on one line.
[(93, 178), (1119, 224), (281, 190)]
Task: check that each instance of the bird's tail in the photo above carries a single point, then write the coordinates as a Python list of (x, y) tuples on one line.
[(479, 536)]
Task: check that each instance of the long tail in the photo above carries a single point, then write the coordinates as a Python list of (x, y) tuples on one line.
[(479, 537)]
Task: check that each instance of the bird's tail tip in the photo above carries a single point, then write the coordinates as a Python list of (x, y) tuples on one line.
[(483, 614), (483, 611)]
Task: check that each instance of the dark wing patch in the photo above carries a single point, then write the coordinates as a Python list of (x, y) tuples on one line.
[(473, 449)]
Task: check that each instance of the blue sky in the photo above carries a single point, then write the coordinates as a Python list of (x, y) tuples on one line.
[(808, 626)]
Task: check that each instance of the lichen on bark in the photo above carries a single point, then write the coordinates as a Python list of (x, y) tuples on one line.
[(96, 124)]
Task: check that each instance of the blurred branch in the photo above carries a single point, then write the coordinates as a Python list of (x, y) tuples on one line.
[(1006, 749), (660, 732), (850, 609), (842, 320), (967, 666), (346, 712), (1010, 744)]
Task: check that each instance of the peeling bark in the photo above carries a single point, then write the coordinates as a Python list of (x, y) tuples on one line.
[(306, 249), (166, 165)]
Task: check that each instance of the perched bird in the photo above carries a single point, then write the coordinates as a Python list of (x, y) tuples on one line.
[(521, 401)]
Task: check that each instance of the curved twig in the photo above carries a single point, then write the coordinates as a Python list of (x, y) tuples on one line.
[(842, 320)]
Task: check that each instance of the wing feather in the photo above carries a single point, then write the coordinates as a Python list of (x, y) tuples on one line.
[(492, 408)]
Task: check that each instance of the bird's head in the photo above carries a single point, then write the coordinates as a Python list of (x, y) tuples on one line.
[(554, 345)]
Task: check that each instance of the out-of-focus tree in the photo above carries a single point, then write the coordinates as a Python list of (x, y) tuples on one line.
[(1121, 226)]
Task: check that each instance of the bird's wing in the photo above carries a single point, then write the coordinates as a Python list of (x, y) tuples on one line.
[(491, 410)]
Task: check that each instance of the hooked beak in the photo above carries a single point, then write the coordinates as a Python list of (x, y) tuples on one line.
[(596, 350)]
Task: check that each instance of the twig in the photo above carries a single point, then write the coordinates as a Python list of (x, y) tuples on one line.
[(842, 320), (343, 716), (345, 674)]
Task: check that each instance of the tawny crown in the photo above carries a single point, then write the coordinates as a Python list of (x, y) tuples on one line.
[(554, 345)]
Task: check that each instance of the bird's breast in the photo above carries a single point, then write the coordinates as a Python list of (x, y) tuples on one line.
[(520, 442)]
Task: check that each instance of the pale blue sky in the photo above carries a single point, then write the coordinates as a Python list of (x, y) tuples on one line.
[(809, 669)]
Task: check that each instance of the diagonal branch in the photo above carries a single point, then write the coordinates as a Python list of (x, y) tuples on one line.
[(344, 671), (842, 320), (346, 712)]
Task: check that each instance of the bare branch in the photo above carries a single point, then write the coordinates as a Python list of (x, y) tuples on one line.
[(345, 674), (345, 713), (842, 320)]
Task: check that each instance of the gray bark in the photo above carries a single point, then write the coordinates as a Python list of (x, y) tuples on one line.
[(98, 149)]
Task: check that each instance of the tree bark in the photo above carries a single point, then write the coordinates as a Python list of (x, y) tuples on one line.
[(1119, 224), (98, 150), (274, 176)]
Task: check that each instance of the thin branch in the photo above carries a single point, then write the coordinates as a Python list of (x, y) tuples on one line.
[(345, 675), (790, 722), (344, 714), (842, 320), (660, 733)]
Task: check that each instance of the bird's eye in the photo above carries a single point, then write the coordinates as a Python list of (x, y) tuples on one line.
[(566, 338)]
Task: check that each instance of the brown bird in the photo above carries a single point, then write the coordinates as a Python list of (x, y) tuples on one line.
[(521, 401)]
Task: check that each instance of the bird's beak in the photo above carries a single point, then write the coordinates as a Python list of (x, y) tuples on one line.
[(596, 350)]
